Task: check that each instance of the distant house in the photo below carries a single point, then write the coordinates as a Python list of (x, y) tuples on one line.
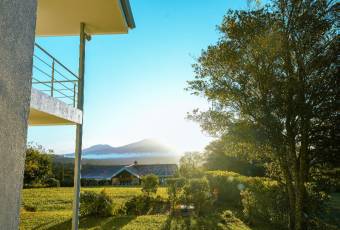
[(127, 174)]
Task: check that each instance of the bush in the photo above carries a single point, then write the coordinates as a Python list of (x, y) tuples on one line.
[(197, 192), (226, 187), (52, 182), (229, 221), (150, 184), (94, 204), (265, 203), (145, 205), (174, 189), (260, 198)]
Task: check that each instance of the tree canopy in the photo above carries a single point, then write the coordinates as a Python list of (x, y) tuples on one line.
[(38, 165), (273, 75)]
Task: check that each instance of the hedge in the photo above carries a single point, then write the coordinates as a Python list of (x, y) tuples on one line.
[(260, 198)]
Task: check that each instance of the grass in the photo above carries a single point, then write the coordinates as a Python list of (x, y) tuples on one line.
[(51, 208), (54, 199)]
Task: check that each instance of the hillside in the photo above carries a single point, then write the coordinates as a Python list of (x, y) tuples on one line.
[(143, 146)]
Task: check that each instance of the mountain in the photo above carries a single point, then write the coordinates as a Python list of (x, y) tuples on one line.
[(143, 146)]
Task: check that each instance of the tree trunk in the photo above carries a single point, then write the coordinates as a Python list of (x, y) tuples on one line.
[(291, 195)]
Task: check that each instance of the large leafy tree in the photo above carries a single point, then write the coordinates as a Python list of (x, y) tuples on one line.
[(273, 72), (38, 165)]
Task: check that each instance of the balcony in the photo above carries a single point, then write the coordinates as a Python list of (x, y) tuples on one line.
[(54, 91)]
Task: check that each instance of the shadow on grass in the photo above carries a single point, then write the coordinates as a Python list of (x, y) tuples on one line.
[(208, 222), (116, 222)]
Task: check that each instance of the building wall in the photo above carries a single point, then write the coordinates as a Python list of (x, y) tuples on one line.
[(17, 30), (125, 178)]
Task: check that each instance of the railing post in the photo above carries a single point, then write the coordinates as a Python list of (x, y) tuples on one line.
[(74, 94), (52, 82)]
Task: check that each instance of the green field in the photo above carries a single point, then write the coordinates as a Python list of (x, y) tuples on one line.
[(53, 210)]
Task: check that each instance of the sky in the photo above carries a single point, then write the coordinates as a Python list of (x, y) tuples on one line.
[(134, 83)]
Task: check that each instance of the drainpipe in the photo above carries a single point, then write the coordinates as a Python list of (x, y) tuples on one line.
[(79, 129)]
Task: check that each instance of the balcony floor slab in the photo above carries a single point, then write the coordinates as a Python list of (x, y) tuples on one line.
[(46, 110)]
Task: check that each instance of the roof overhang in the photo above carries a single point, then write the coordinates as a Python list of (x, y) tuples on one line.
[(63, 17)]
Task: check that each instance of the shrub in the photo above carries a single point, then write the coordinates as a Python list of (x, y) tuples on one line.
[(94, 204), (230, 222), (145, 205), (174, 188), (265, 202), (226, 187), (197, 192), (150, 184), (260, 198), (52, 182)]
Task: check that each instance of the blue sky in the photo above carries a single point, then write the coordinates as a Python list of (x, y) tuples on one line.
[(134, 87)]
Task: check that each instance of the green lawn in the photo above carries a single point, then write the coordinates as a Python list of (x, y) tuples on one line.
[(55, 199), (53, 210)]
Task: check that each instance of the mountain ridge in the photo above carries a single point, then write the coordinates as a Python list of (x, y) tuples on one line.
[(143, 146)]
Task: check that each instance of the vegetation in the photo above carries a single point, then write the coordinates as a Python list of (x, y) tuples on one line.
[(38, 166), (174, 188), (220, 155), (272, 81), (145, 205), (190, 165), (51, 208), (150, 184), (94, 204), (197, 192)]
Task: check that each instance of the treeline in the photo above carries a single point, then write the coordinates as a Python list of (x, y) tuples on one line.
[(43, 169)]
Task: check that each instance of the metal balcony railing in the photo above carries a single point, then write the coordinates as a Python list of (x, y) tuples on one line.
[(53, 78)]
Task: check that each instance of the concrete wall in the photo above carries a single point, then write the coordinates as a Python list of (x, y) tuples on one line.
[(17, 32)]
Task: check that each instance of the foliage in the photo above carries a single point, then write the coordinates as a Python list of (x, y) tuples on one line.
[(221, 155), (142, 205), (150, 184), (265, 202), (174, 188), (94, 204), (230, 222), (197, 192), (273, 72), (226, 187), (54, 211), (54, 199), (38, 165), (63, 171), (190, 165), (261, 199), (52, 182), (93, 182)]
